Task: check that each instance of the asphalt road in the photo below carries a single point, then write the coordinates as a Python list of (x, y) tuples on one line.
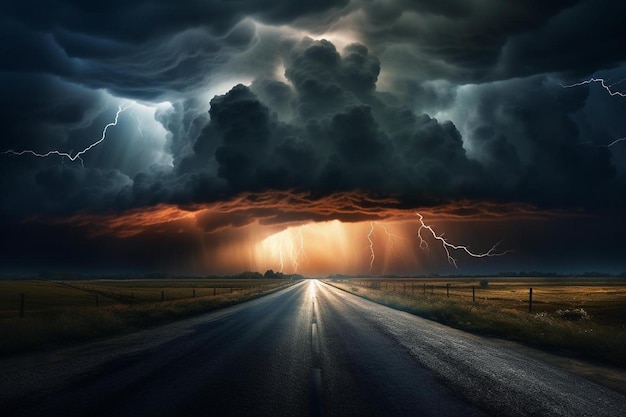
[(309, 350)]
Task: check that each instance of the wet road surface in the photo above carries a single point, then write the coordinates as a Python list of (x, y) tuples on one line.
[(309, 350)]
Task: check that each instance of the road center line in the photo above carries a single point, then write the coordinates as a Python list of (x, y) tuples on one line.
[(316, 397), (317, 408), (315, 342)]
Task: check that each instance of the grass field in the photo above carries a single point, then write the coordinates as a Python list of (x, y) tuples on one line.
[(581, 317), (56, 313), (44, 297)]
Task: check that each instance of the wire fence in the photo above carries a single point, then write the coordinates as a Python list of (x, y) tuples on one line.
[(603, 298), (44, 297)]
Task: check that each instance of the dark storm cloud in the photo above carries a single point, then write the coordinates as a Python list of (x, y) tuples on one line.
[(326, 82), (343, 135), (491, 39), (74, 187), (522, 131), (32, 185), (184, 120), (142, 49), (342, 138), (277, 95), (154, 49), (445, 39), (34, 101), (142, 20), (578, 41)]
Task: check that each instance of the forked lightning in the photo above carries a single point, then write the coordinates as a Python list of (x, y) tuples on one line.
[(68, 155), (447, 246), (611, 92)]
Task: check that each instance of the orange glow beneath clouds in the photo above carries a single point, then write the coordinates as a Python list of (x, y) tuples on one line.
[(336, 247), (293, 233)]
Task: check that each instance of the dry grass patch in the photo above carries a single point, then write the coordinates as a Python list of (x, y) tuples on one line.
[(557, 322), (63, 313)]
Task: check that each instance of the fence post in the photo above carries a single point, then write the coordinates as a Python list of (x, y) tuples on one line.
[(194, 293), (97, 300), (21, 305), (213, 291), (404, 288), (447, 290), (424, 288), (473, 293), (530, 301), (162, 296), (432, 288), (132, 298)]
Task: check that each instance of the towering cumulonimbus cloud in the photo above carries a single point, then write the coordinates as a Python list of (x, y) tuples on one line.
[(342, 136)]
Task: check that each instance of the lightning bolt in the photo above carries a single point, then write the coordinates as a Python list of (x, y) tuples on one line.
[(139, 126), (370, 234), (608, 88), (293, 253), (301, 253), (281, 258), (447, 246), (69, 155), (287, 248), (603, 146), (390, 236), (602, 82), (371, 246)]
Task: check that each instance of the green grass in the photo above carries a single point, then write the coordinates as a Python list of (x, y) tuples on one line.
[(60, 313), (502, 310)]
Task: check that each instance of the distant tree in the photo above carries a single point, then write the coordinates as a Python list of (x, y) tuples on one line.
[(270, 274), (248, 275)]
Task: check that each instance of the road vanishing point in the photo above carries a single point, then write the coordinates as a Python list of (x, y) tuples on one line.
[(308, 350)]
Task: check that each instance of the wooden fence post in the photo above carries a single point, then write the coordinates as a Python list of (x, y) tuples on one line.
[(194, 293), (97, 300), (530, 301), (432, 288), (21, 305), (162, 296), (213, 291), (447, 290), (473, 293), (424, 288)]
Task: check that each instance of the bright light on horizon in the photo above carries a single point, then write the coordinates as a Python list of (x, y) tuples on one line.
[(339, 247)]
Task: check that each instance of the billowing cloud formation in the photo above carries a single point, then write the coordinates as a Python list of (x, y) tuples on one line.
[(520, 143), (423, 103), (341, 137)]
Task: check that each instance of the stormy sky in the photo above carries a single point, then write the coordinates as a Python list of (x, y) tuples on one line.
[(214, 136)]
